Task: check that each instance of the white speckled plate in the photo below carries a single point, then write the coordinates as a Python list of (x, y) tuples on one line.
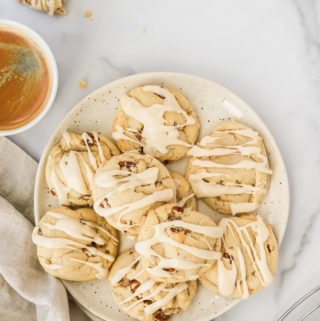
[(213, 104)]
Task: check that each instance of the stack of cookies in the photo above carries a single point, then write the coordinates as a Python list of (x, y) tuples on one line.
[(104, 189)]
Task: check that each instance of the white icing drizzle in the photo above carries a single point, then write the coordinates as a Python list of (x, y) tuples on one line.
[(89, 172), (67, 138), (110, 179), (137, 275), (101, 154), (120, 133), (44, 5), (102, 273), (156, 305), (78, 228), (145, 247), (88, 140), (226, 278), (144, 287), (70, 166), (208, 147), (62, 243), (129, 180), (256, 253), (156, 134), (73, 179), (162, 302), (122, 272), (183, 201)]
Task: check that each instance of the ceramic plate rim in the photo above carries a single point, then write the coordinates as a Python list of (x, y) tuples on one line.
[(163, 75)]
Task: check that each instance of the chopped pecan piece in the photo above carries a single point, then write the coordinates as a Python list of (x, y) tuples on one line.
[(159, 315), (134, 284), (141, 149), (169, 269), (138, 136), (228, 256), (93, 243), (178, 209), (134, 266), (127, 164), (39, 231), (268, 247), (105, 201), (147, 302)]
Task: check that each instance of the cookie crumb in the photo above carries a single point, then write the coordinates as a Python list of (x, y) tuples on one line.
[(88, 13), (82, 84), (142, 31)]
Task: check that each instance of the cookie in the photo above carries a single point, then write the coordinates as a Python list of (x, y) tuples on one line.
[(143, 298), (76, 245), (52, 7), (185, 195), (249, 257), (229, 169), (72, 164), (156, 120), (176, 244), (128, 186)]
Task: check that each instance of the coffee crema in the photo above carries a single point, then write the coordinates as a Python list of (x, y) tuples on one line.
[(25, 79)]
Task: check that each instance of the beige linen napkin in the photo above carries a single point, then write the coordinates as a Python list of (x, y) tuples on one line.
[(27, 292)]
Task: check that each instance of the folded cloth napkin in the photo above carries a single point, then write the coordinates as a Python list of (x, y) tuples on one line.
[(27, 292)]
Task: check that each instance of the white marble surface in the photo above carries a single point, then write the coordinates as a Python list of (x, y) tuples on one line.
[(268, 52)]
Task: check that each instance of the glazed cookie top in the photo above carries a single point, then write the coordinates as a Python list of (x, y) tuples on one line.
[(143, 298), (185, 195), (156, 120), (229, 168), (75, 245), (72, 164), (176, 244), (128, 186), (249, 257)]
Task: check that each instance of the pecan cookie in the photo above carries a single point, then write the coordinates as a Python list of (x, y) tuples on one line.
[(75, 245), (176, 244), (229, 169), (51, 6), (128, 186), (143, 298), (72, 164), (156, 120), (249, 257)]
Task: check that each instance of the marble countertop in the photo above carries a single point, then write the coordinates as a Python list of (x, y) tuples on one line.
[(268, 52)]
